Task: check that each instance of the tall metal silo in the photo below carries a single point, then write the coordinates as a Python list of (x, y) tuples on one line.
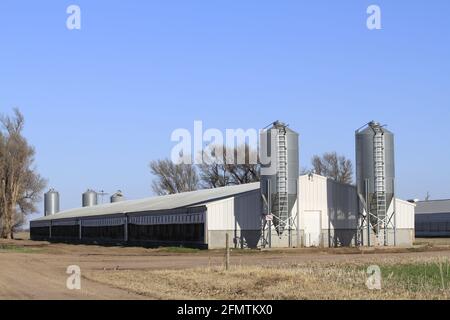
[(90, 198), (375, 175), (117, 197), (279, 156), (51, 202)]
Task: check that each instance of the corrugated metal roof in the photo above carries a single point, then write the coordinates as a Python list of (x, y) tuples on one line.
[(433, 206), (169, 202)]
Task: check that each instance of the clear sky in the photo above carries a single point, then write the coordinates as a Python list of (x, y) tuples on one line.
[(101, 102)]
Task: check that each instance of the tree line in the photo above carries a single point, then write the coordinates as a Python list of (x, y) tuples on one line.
[(220, 168), (218, 171)]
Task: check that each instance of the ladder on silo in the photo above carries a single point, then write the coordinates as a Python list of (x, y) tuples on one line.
[(282, 181), (380, 201)]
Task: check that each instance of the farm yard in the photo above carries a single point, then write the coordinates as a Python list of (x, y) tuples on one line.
[(37, 270)]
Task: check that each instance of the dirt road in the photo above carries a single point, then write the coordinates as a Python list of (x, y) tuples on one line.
[(30, 270)]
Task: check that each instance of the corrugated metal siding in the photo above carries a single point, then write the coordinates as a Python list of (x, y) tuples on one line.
[(433, 225), (248, 211), (243, 212), (104, 222), (312, 198), (342, 205), (193, 218), (338, 204), (437, 217), (61, 223), (169, 202), (433, 218), (39, 224), (313, 194), (433, 206), (405, 217)]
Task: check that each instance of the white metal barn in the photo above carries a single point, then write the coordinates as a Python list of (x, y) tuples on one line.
[(326, 213), (197, 219), (433, 218)]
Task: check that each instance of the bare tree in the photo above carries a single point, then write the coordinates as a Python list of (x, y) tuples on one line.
[(173, 178), (213, 169), (245, 168), (221, 167), (225, 166), (304, 170), (334, 166), (21, 185)]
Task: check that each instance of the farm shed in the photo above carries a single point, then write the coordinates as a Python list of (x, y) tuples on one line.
[(329, 214), (198, 219), (433, 218), (326, 215)]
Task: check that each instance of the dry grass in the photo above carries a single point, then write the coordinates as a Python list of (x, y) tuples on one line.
[(424, 279), (23, 235), (433, 241), (17, 249)]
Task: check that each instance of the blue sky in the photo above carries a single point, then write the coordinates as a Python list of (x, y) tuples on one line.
[(101, 102)]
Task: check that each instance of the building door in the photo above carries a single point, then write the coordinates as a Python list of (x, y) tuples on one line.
[(313, 228)]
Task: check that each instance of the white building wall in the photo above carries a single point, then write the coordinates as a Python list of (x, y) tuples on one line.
[(242, 212), (338, 204), (240, 217), (405, 216), (339, 213), (312, 198)]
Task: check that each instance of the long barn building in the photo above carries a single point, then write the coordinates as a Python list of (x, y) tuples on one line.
[(433, 218), (326, 215)]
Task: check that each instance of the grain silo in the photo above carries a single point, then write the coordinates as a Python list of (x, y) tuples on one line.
[(90, 198), (375, 175), (279, 156), (51, 202), (117, 197)]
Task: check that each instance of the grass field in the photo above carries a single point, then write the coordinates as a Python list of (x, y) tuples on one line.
[(37, 270), (433, 241), (419, 279), (18, 249)]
